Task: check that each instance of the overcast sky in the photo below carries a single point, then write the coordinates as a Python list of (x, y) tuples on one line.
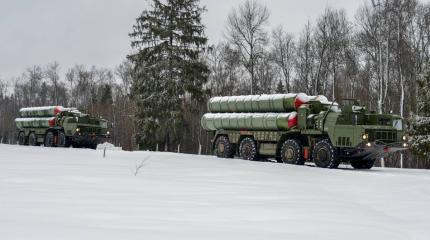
[(94, 32)]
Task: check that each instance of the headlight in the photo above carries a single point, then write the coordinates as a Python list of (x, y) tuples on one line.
[(107, 132), (404, 138), (369, 144), (405, 145), (78, 129), (365, 136)]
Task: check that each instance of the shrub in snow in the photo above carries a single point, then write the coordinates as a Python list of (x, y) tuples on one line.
[(420, 136), (107, 146)]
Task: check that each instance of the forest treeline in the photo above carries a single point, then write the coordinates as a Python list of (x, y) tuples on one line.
[(157, 95)]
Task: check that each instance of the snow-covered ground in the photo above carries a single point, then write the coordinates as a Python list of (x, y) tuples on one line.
[(77, 194)]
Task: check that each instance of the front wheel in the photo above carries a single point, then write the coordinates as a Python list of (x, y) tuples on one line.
[(363, 164), (62, 140), (325, 155), (248, 149), (292, 152)]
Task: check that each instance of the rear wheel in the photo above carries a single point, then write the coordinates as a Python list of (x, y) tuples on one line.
[(21, 138), (32, 139), (248, 149), (324, 155), (49, 139), (292, 152), (363, 164), (223, 147)]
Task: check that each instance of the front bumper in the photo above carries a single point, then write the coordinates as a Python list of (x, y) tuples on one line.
[(90, 139), (374, 150)]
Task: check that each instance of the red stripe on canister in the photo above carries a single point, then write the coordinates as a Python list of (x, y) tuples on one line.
[(292, 120), (51, 122), (301, 99), (57, 110)]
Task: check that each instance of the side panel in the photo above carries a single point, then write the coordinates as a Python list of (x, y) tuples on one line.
[(344, 136), (267, 149), (268, 141)]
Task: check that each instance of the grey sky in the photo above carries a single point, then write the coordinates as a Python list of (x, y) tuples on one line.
[(94, 32)]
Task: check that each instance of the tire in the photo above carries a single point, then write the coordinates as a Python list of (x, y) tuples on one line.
[(363, 164), (62, 140), (32, 139), (292, 152), (325, 155), (49, 139), (248, 149), (223, 148), (21, 138)]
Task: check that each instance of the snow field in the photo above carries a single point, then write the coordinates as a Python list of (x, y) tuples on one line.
[(77, 194)]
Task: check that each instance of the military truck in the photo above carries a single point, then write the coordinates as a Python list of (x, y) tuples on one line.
[(56, 126), (295, 128)]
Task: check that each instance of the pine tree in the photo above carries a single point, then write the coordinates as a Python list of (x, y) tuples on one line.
[(280, 87), (424, 95), (168, 41), (421, 124), (106, 95)]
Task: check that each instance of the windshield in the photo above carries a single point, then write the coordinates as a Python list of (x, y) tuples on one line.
[(348, 103), (398, 124)]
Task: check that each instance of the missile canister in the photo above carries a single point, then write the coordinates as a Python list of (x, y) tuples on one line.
[(249, 121), (257, 103), (35, 122), (37, 112)]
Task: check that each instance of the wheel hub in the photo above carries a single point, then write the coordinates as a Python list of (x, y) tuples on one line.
[(246, 150), (322, 155), (289, 154), (221, 148)]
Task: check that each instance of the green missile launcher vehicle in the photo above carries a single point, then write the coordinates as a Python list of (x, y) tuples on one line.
[(56, 126), (295, 128)]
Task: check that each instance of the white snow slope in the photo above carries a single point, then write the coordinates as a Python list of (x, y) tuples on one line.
[(77, 194)]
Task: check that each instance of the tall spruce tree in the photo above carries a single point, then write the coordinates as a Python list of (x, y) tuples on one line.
[(421, 124), (168, 40)]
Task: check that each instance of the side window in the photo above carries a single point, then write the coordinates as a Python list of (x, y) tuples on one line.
[(398, 124)]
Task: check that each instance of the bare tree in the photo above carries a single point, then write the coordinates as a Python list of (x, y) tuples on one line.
[(52, 73), (125, 72), (374, 40), (283, 48), (245, 28), (226, 70), (305, 62)]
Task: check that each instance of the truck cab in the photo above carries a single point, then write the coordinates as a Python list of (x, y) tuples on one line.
[(359, 136)]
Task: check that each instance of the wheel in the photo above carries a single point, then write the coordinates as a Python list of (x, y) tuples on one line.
[(363, 164), (49, 139), (248, 149), (21, 138), (62, 140), (292, 152), (324, 155), (32, 139), (223, 148)]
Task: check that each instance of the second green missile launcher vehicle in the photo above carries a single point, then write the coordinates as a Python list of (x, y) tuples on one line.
[(55, 126), (295, 128)]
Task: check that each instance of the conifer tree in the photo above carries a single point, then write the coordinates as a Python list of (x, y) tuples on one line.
[(421, 124), (168, 41)]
